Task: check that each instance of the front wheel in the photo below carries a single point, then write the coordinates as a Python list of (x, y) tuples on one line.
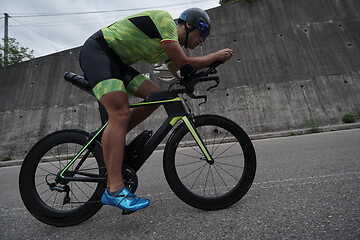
[(210, 186)]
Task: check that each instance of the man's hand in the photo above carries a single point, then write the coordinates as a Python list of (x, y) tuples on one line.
[(224, 54)]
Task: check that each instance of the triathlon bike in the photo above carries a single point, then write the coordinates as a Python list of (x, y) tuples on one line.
[(209, 161)]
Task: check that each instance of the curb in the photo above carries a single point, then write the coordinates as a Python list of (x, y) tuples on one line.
[(298, 132), (289, 133), (10, 163)]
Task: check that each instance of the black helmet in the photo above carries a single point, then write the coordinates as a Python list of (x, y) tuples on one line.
[(197, 18)]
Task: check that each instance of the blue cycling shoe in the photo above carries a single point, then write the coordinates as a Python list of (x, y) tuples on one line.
[(125, 200)]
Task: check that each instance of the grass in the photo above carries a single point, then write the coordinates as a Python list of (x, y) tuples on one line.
[(4, 159), (349, 118), (314, 125)]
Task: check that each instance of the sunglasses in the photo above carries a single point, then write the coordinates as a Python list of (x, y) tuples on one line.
[(204, 30)]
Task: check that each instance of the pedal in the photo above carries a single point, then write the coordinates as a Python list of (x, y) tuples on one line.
[(125, 212)]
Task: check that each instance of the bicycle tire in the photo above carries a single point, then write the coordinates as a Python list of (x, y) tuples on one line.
[(39, 170), (184, 163)]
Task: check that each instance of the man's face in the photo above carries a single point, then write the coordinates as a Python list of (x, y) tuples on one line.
[(195, 39)]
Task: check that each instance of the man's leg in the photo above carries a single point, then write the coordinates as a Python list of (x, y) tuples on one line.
[(140, 114), (113, 143), (113, 139)]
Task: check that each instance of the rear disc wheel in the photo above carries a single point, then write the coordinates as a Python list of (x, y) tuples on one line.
[(52, 199)]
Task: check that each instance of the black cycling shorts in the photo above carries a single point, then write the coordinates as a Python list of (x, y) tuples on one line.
[(104, 69)]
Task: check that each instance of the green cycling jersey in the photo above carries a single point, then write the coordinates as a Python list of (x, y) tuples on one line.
[(139, 38)]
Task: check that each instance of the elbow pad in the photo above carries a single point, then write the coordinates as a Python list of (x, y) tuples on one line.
[(186, 70)]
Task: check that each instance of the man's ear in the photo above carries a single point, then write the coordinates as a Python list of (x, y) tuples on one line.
[(188, 26)]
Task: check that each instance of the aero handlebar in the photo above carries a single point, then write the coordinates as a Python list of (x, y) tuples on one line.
[(188, 82)]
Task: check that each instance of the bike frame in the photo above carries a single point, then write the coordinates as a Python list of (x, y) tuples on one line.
[(176, 111)]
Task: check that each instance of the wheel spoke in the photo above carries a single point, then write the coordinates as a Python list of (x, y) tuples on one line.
[(90, 186), (213, 143), (197, 169), (193, 162), (212, 176), (227, 172), (198, 177), (54, 202), (227, 133), (222, 179), (230, 156), (225, 150), (187, 155), (81, 190), (72, 192), (188, 145), (51, 163), (90, 164), (49, 196), (44, 170), (230, 165), (207, 176), (41, 183)]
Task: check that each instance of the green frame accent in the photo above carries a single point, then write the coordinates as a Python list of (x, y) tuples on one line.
[(195, 135), (198, 140), (81, 151), (178, 99), (175, 120)]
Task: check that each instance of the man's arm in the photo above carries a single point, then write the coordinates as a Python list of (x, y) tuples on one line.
[(173, 70), (179, 58)]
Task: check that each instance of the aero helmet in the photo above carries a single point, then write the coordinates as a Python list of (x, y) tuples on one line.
[(197, 18)]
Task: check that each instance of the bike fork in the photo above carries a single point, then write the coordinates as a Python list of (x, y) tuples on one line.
[(199, 141)]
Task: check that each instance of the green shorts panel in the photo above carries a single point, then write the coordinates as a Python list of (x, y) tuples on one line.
[(134, 84), (109, 85)]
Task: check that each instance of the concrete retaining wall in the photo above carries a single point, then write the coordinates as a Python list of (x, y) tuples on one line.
[(297, 65)]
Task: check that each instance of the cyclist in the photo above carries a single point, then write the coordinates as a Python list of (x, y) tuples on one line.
[(105, 58)]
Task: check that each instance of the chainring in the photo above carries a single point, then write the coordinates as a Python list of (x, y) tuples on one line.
[(130, 178)]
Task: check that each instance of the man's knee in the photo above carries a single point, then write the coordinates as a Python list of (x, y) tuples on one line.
[(146, 89), (120, 114), (116, 104)]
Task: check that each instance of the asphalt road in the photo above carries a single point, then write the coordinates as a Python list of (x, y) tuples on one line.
[(306, 187)]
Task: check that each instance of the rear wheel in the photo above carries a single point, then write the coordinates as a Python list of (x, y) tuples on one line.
[(52, 199), (210, 186)]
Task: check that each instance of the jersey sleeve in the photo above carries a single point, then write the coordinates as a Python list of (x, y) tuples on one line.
[(167, 29)]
